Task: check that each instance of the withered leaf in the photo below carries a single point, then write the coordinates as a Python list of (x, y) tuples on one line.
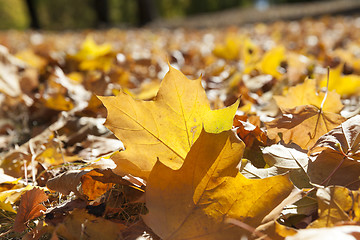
[(336, 155), (81, 182), (30, 208)]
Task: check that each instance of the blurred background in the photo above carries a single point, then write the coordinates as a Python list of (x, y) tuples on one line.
[(83, 14)]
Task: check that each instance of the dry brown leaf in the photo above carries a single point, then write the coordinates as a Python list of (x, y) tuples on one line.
[(30, 208), (336, 156), (249, 132), (303, 125), (81, 225), (194, 201), (82, 183)]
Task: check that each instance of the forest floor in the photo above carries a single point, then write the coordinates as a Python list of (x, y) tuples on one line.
[(104, 136)]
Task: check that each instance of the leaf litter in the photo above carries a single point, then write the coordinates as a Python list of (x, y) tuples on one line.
[(255, 147)]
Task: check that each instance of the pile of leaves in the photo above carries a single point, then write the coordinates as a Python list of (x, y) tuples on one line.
[(102, 137)]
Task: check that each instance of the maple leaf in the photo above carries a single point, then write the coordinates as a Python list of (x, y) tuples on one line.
[(302, 125), (336, 204), (164, 128), (30, 208), (336, 156), (194, 201), (306, 94)]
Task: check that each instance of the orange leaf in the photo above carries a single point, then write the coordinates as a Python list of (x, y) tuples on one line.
[(30, 208), (249, 132)]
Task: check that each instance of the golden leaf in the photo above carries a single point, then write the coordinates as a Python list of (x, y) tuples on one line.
[(164, 128), (306, 94), (194, 201)]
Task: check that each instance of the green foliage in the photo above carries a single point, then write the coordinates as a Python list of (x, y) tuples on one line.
[(13, 14)]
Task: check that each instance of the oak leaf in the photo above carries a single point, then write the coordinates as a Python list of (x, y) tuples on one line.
[(306, 94), (302, 125), (30, 208), (164, 128), (194, 201), (336, 156)]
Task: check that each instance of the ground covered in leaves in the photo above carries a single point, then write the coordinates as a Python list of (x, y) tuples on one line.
[(105, 134)]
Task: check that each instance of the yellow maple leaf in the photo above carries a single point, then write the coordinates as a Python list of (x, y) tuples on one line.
[(306, 94), (342, 84), (92, 56), (164, 128), (194, 201)]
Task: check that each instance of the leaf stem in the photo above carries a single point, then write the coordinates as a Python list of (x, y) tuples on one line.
[(327, 88)]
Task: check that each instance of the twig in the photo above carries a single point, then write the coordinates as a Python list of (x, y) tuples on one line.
[(60, 147), (248, 228)]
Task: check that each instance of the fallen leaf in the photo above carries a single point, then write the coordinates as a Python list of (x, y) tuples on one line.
[(306, 94), (81, 182), (92, 56), (194, 201), (302, 125), (164, 128), (81, 225), (249, 132), (9, 197), (336, 156), (335, 205), (271, 61), (342, 84), (30, 208), (230, 49)]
